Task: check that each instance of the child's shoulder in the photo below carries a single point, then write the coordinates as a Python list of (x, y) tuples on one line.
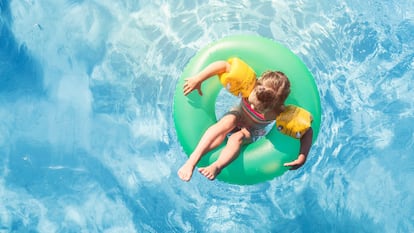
[(271, 115)]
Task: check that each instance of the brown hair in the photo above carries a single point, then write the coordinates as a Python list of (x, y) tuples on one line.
[(272, 90)]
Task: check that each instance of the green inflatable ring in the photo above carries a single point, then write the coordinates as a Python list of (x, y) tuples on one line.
[(193, 114)]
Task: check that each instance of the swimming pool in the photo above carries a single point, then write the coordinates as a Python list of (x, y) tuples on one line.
[(86, 132)]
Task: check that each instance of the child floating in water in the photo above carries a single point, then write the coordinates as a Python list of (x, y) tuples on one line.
[(246, 122)]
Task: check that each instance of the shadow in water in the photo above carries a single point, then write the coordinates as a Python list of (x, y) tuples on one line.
[(20, 73)]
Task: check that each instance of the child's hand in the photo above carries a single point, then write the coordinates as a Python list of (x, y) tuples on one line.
[(296, 163), (190, 85)]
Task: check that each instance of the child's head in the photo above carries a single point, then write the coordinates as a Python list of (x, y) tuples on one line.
[(270, 92)]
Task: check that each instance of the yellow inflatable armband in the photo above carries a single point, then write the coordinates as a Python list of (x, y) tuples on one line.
[(294, 121), (240, 80)]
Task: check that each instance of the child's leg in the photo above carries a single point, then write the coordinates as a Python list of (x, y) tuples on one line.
[(212, 138), (227, 155)]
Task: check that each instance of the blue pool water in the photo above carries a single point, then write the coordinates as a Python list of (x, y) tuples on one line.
[(87, 142)]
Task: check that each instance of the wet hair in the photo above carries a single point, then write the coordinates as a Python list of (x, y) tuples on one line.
[(272, 89)]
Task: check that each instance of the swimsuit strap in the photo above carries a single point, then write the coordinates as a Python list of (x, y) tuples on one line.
[(253, 114)]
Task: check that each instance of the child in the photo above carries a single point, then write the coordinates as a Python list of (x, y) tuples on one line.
[(246, 122)]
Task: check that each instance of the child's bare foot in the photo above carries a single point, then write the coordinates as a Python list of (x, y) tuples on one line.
[(186, 171), (210, 171)]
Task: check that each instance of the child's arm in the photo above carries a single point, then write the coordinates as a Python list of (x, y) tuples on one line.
[(305, 145), (194, 83)]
